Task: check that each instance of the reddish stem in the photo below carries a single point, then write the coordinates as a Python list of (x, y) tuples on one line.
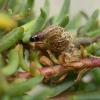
[(23, 74), (89, 62), (92, 62)]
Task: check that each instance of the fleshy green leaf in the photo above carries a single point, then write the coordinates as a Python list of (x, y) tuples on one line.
[(61, 88), (91, 22), (64, 11), (87, 96), (21, 88), (75, 22)]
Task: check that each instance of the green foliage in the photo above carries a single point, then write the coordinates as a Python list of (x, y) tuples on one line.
[(14, 42)]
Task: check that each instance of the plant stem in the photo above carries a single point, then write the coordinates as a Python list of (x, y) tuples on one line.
[(89, 62)]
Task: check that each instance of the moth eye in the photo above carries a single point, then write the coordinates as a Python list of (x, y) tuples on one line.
[(34, 38)]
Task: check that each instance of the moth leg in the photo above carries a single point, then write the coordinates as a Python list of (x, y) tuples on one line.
[(80, 74), (52, 57), (58, 79)]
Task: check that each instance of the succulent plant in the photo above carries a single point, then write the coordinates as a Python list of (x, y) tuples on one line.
[(48, 54)]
